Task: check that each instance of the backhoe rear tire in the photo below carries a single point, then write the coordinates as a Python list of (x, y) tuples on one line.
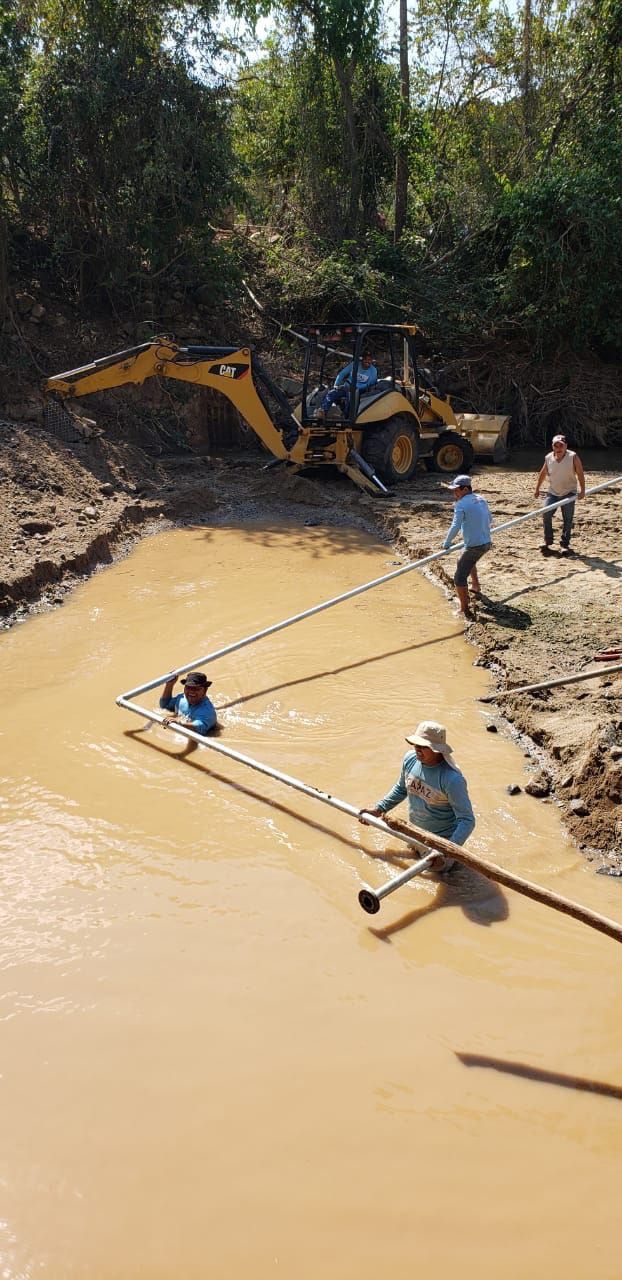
[(392, 449), (451, 453)]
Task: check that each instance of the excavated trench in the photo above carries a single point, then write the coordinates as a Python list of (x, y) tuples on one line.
[(201, 1026)]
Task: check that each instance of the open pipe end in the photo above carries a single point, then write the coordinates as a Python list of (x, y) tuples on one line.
[(369, 901)]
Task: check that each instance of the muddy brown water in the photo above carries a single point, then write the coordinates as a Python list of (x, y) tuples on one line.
[(213, 1063)]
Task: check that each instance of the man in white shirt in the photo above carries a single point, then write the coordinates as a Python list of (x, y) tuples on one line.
[(564, 471)]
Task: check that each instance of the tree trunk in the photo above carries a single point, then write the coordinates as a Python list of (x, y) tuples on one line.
[(352, 158), (527, 82), (401, 159), (4, 269)]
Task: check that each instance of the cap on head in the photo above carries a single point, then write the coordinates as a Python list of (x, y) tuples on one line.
[(197, 679), (460, 482), (558, 440), (431, 734)]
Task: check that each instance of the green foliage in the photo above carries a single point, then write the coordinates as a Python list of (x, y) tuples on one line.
[(14, 57), (127, 153), (559, 242), (289, 139), (120, 146)]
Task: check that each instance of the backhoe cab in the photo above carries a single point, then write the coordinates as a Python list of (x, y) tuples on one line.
[(378, 442)]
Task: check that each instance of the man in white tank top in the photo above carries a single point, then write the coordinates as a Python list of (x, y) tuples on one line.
[(564, 472)]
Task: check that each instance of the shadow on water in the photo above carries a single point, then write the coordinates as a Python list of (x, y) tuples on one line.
[(334, 671), (540, 1075), (330, 534), (185, 758), (481, 901)]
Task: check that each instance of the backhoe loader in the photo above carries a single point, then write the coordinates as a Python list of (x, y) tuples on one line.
[(380, 438)]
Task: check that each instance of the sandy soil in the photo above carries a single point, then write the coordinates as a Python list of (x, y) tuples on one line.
[(68, 508)]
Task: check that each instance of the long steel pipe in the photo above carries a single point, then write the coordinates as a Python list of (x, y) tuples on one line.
[(346, 595), (427, 844), (304, 787)]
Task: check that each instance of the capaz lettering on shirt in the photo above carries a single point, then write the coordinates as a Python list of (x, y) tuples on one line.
[(417, 787)]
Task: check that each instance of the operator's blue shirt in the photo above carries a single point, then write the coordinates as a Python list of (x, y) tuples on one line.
[(472, 517), (365, 378), (438, 800), (201, 716)]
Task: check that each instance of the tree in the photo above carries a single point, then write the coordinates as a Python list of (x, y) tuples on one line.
[(401, 159), (126, 150)]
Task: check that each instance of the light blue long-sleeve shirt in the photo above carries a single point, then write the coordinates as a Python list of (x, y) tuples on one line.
[(202, 715), (472, 518), (365, 378), (438, 800)]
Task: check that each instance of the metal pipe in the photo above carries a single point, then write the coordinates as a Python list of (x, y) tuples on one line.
[(370, 898), (304, 787), (551, 684), (346, 595), (424, 842)]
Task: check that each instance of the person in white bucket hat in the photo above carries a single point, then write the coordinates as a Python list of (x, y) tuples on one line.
[(438, 799)]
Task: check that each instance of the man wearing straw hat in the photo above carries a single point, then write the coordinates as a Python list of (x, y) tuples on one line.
[(191, 708), (438, 800)]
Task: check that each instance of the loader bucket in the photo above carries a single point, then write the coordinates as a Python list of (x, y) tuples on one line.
[(487, 433)]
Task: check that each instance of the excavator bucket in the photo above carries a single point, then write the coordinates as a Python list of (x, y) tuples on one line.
[(487, 434), (65, 423)]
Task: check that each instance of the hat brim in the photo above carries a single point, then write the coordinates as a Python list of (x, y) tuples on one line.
[(443, 748)]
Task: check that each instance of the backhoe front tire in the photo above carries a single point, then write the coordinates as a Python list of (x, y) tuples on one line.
[(451, 453), (392, 449)]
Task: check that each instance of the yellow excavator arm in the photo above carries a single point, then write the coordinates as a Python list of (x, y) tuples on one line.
[(379, 438), (225, 369), (239, 375)]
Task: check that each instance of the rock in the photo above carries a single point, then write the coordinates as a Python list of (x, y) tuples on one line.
[(491, 727), (25, 411), (578, 808), (37, 312), (539, 785), (615, 753), (91, 512), (37, 527), (513, 789), (107, 489)]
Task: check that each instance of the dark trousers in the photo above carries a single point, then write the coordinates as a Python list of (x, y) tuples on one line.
[(340, 396), (567, 518)]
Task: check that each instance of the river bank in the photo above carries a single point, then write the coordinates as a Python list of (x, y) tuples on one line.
[(70, 508)]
